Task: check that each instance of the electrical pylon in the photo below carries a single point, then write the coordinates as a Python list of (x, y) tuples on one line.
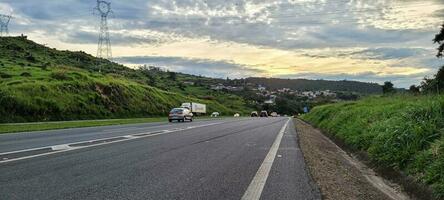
[(4, 22), (104, 46)]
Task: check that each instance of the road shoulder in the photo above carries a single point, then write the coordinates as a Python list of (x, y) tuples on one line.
[(289, 176), (338, 175)]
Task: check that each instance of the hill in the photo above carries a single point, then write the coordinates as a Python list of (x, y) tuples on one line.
[(317, 85), (43, 84)]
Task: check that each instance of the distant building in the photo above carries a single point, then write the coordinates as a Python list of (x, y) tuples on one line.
[(261, 88), (219, 86), (328, 93), (188, 83), (284, 90), (234, 89), (270, 101)]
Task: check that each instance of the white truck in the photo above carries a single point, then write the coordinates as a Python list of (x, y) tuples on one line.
[(195, 108)]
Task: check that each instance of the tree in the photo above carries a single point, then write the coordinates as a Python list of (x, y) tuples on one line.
[(439, 38), (172, 76), (434, 85), (149, 74), (387, 88), (414, 89), (181, 86)]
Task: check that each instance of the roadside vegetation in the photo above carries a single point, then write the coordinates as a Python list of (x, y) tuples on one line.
[(403, 132), (41, 126)]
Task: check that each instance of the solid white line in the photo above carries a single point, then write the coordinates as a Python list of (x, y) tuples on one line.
[(254, 190), (66, 147)]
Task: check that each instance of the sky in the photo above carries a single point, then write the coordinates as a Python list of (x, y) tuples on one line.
[(363, 40)]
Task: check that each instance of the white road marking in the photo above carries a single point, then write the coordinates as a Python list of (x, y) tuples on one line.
[(60, 147), (130, 136), (67, 147), (254, 190)]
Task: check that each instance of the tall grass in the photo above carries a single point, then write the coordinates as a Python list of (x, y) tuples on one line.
[(405, 133)]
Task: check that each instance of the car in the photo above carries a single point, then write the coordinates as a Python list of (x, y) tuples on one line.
[(237, 115), (215, 114), (180, 115), (274, 114), (254, 114), (264, 113)]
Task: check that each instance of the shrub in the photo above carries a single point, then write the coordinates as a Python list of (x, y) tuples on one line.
[(60, 75), (26, 74), (5, 75)]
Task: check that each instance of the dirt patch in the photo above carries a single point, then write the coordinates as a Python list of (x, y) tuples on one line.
[(338, 175)]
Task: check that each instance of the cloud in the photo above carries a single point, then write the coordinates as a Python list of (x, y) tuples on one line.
[(219, 69), (257, 37)]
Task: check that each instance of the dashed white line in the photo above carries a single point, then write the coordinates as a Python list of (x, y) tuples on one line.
[(254, 190), (60, 147)]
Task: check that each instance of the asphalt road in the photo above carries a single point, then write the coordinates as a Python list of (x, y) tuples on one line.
[(217, 159)]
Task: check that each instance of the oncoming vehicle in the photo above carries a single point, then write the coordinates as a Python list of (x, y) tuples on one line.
[(237, 115), (180, 115), (215, 114), (254, 114), (274, 114), (264, 113)]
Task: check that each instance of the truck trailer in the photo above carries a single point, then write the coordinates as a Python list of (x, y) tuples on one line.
[(195, 108)]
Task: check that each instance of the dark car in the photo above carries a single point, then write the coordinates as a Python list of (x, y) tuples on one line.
[(254, 114), (264, 113)]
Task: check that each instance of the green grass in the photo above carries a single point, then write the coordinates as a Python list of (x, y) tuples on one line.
[(41, 126), (405, 133), (66, 93)]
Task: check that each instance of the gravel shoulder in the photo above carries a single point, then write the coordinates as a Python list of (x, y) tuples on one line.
[(338, 175)]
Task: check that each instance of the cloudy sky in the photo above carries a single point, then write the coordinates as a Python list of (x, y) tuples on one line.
[(365, 40)]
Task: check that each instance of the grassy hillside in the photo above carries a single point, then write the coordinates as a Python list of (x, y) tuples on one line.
[(404, 133), (303, 84), (42, 84)]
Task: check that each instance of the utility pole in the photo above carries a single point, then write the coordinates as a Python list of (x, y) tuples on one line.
[(4, 22), (104, 45)]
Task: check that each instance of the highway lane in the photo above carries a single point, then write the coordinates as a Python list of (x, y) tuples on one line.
[(217, 161), (29, 140)]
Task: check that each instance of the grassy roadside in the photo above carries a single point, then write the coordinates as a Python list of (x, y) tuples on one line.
[(403, 133), (41, 126)]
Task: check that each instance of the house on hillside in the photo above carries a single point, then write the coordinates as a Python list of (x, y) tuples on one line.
[(188, 82), (261, 88)]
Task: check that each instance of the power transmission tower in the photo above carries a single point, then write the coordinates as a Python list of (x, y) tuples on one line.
[(104, 47), (4, 22)]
